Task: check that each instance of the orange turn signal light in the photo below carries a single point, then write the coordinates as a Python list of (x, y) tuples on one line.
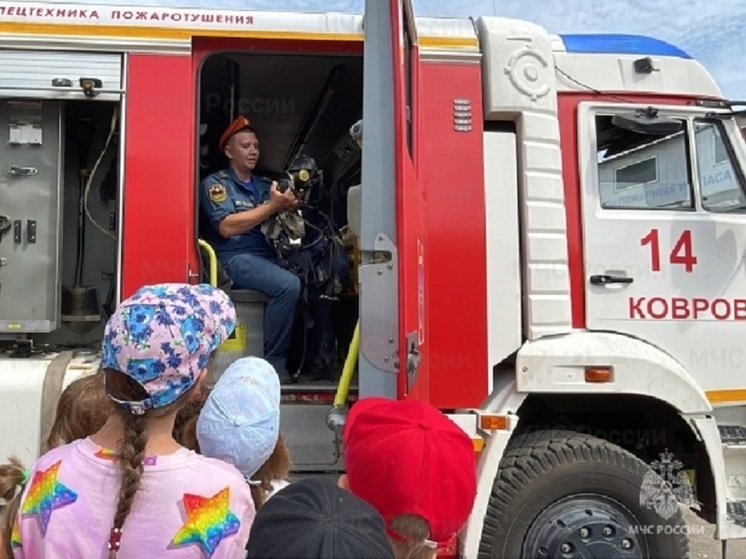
[(598, 374), (490, 422)]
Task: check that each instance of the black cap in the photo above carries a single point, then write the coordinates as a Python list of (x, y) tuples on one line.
[(315, 519)]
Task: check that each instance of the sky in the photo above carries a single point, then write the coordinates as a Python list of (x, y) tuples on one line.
[(712, 31)]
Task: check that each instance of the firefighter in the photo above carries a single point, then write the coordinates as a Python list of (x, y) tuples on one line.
[(234, 202)]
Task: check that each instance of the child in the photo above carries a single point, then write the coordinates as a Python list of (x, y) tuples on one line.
[(12, 478), (315, 519), (131, 486), (82, 409), (416, 467), (268, 479), (240, 424)]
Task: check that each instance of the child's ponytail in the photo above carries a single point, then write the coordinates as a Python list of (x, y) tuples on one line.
[(413, 541), (13, 478), (131, 455)]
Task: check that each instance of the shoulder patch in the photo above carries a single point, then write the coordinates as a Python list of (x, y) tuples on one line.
[(209, 521), (46, 495), (217, 193)]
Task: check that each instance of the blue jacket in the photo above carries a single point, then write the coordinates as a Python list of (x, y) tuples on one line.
[(223, 193)]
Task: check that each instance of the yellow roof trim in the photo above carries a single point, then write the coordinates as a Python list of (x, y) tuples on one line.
[(174, 33), (185, 33), (448, 42)]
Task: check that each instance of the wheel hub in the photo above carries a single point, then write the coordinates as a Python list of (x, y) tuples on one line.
[(585, 527)]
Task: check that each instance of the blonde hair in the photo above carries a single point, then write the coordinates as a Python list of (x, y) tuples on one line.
[(132, 450), (12, 478), (415, 533), (82, 409)]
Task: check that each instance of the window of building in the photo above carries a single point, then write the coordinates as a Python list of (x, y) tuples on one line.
[(720, 183), (719, 151), (640, 171)]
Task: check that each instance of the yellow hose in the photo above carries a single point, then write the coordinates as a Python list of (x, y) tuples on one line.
[(213, 262), (343, 388)]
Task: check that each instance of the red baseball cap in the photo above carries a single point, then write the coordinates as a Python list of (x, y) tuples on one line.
[(235, 127), (407, 457)]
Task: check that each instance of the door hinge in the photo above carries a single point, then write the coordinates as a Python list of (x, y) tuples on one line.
[(413, 359), (192, 276)]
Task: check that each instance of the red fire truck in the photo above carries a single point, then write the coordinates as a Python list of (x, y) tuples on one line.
[(546, 232)]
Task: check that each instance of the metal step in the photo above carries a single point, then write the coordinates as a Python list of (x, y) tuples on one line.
[(733, 434), (321, 392), (737, 511)]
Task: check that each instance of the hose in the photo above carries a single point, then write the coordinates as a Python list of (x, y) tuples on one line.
[(336, 417), (114, 118), (343, 388)]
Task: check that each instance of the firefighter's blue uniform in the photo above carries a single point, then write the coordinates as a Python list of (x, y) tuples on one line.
[(248, 259)]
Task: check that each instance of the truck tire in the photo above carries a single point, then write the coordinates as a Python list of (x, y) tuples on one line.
[(562, 494)]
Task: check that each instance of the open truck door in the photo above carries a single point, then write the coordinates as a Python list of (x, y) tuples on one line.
[(392, 273)]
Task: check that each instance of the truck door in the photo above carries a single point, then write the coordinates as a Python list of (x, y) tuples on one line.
[(664, 223), (392, 274)]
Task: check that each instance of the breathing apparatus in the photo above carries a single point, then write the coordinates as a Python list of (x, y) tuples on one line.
[(301, 176)]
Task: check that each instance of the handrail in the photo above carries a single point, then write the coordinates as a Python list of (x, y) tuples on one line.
[(213, 262)]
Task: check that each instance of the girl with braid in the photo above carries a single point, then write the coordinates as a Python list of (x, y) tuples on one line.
[(131, 490)]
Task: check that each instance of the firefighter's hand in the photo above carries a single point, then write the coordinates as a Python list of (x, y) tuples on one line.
[(281, 200)]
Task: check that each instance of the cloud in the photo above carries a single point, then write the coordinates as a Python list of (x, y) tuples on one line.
[(710, 31)]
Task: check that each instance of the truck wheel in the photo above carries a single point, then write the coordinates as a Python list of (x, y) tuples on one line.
[(561, 494)]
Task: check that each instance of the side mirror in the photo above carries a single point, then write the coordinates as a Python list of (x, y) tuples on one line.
[(647, 122)]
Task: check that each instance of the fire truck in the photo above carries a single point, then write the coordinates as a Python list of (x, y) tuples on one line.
[(546, 236)]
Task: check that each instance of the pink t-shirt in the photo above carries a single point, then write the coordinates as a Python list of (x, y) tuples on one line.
[(188, 507)]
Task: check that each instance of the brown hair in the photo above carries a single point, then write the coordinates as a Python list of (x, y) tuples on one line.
[(12, 476), (185, 426), (415, 530), (132, 449), (276, 467), (82, 409)]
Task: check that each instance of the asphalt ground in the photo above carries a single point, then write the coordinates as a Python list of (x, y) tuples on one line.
[(703, 546)]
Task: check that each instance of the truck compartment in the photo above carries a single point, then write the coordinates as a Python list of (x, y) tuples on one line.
[(58, 222)]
